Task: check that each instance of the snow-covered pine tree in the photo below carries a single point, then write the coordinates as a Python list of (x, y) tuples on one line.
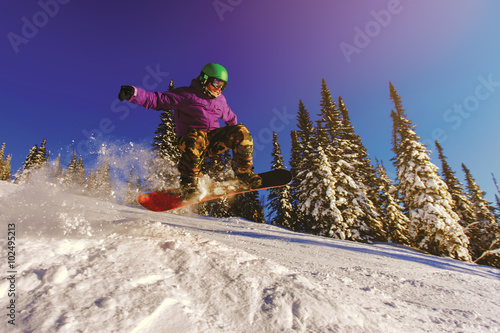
[(330, 128), (5, 172), (91, 183), (217, 168), (37, 158), (482, 208), (484, 232), (42, 156), (497, 198), (365, 171), (2, 162), (396, 222), (165, 140), (71, 175), (162, 169), (104, 187), (225, 208), (317, 199), (302, 155), (80, 173), (29, 164), (295, 160), (248, 206), (130, 191), (434, 225), (280, 199), (365, 174), (342, 150), (57, 171), (399, 120), (461, 204)]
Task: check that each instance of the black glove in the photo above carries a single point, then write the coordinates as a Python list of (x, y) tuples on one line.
[(126, 92)]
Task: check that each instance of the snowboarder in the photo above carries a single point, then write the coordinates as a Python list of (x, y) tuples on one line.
[(197, 110)]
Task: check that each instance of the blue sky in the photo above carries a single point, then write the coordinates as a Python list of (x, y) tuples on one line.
[(64, 61)]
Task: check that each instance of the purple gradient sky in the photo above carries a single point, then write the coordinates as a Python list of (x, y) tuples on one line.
[(62, 80)]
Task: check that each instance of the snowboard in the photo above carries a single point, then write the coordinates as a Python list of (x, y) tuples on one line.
[(163, 201)]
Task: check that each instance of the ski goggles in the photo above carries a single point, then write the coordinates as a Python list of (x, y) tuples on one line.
[(218, 83)]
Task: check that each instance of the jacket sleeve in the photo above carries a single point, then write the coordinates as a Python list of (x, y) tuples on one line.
[(156, 100), (228, 115)]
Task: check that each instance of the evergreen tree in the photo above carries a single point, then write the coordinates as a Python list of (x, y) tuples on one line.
[(30, 162), (295, 160), (42, 156), (161, 174), (36, 159), (302, 153), (305, 127), (461, 204), (165, 140), (91, 183), (357, 210), (364, 174), (5, 173), (248, 206), (218, 169), (80, 177), (57, 171), (329, 131), (400, 120), (497, 199), (434, 225), (484, 232), (2, 162), (166, 152), (358, 157), (317, 199), (396, 223), (71, 175), (350, 165), (139, 185), (132, 191), (104, 187), (280, 199), (480, 205)]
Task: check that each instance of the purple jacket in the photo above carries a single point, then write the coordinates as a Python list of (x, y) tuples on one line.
[(192, 108)]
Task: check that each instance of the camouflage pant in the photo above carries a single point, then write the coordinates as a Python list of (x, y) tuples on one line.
[(196, 145)]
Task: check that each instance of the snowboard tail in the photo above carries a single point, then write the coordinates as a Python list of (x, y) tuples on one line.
[(163, 201)]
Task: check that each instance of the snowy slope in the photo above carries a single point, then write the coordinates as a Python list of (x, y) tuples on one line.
[(85, 265)]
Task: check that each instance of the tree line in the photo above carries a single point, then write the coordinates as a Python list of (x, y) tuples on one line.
[(73, 177), (337, 191)]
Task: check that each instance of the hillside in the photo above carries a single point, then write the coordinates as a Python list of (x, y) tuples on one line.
[(85, 265)]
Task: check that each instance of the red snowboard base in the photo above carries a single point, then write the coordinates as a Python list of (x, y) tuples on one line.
[(163, 201)]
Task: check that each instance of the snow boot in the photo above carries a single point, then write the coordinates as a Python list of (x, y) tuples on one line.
[(250, 179), (190, 190)]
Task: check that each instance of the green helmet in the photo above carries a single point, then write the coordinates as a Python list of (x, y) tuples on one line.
[(213, 71)]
